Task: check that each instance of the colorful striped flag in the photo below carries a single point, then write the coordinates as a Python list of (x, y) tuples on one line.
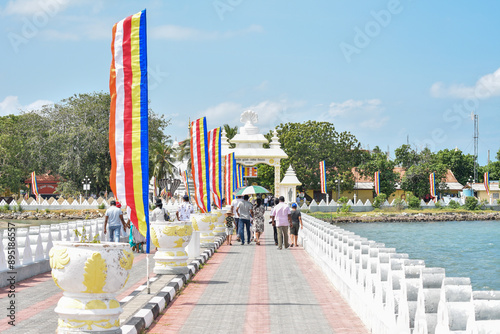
[(215, 163), (128, 121), (200, 164), (322, 177), (250, 172), (185, 179), (487, 182), (230, 177), (239, 176), (34, 186), (432, 186), (376, 182)]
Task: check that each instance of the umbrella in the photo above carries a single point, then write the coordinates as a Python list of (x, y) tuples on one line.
[(251, 190)]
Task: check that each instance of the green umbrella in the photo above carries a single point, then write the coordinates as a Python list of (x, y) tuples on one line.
[(251, 190)]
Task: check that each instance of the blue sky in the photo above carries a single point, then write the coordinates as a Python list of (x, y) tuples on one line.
[(383, 70)]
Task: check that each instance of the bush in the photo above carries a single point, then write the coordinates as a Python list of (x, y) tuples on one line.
[(399, 204), (413, 201), (379, 200), (344, 208), (471, 204), (101, 206), (454, 205)]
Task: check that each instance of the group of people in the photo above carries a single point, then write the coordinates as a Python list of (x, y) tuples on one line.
[(243, 213)]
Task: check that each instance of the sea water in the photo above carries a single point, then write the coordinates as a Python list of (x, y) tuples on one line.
[(463, 249)]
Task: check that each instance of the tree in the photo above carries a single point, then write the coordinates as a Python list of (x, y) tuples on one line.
[(416, 178), (306, 144), (378, 161), (163, 161), (406, 156), (230, 133), (265, 177), (70, 138), (460, 164)]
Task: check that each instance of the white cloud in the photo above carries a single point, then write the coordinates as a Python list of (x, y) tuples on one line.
[(363, 113), (487, 86), (178, 33), (34, 7), (11, 105), (271, 113)]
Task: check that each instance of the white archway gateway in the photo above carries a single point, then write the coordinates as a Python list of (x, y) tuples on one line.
[(249, 149)]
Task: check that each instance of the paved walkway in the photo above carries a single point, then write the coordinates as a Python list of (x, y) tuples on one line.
[(250, 289), (259, 289)]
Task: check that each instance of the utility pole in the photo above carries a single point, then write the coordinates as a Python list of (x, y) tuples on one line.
[(476, 144)]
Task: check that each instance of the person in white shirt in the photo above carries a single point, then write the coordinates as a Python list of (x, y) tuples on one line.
[(234, 205), (185, 210), (159, 214)]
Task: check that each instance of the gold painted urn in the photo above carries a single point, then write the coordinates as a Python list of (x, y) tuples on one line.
[(90, 275), (171, 239)]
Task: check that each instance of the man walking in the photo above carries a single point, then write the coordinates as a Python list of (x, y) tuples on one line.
[(281, 217), (115, 217), (234, 205), (245, 212)]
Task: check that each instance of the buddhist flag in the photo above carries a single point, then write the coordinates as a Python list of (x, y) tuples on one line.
[(487, 182), (376, 182), (322, 177), (432, 186), (185, 179), (229, 177), (200, 164), (239, 176), (215, 163), (34, 186), (128, 121)]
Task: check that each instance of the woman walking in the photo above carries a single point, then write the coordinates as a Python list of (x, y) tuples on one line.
[(258, 219), (296, 223)]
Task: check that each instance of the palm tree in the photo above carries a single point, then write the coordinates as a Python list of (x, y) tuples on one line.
[(163, 160), (230, 133)]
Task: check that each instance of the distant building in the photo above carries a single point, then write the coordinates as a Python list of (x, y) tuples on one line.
[(364, 187), (47, 184), (481, 194)]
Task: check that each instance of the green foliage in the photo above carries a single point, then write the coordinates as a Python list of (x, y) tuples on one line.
[(413, 201), (471, 204), (438, 205), (231, 131), (399, 204), (163, 160), (47, 211), (377, 161), (69, 138), (416, 178), (68, 189), (379, 201), (460, 164), (265, 177), (101, 206), (344, 208), (308, 143), (454, 205), (343, 200), (84, 238), (18, 208), (406, 156)]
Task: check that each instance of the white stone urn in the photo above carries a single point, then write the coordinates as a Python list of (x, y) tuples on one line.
[(220, 228), (204, 223), (171, 239), (90, 274)]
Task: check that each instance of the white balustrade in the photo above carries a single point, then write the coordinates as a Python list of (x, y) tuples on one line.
[(394, 294)]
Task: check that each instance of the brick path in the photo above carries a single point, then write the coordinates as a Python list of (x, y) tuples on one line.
[(259, 289), (247, 289)]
